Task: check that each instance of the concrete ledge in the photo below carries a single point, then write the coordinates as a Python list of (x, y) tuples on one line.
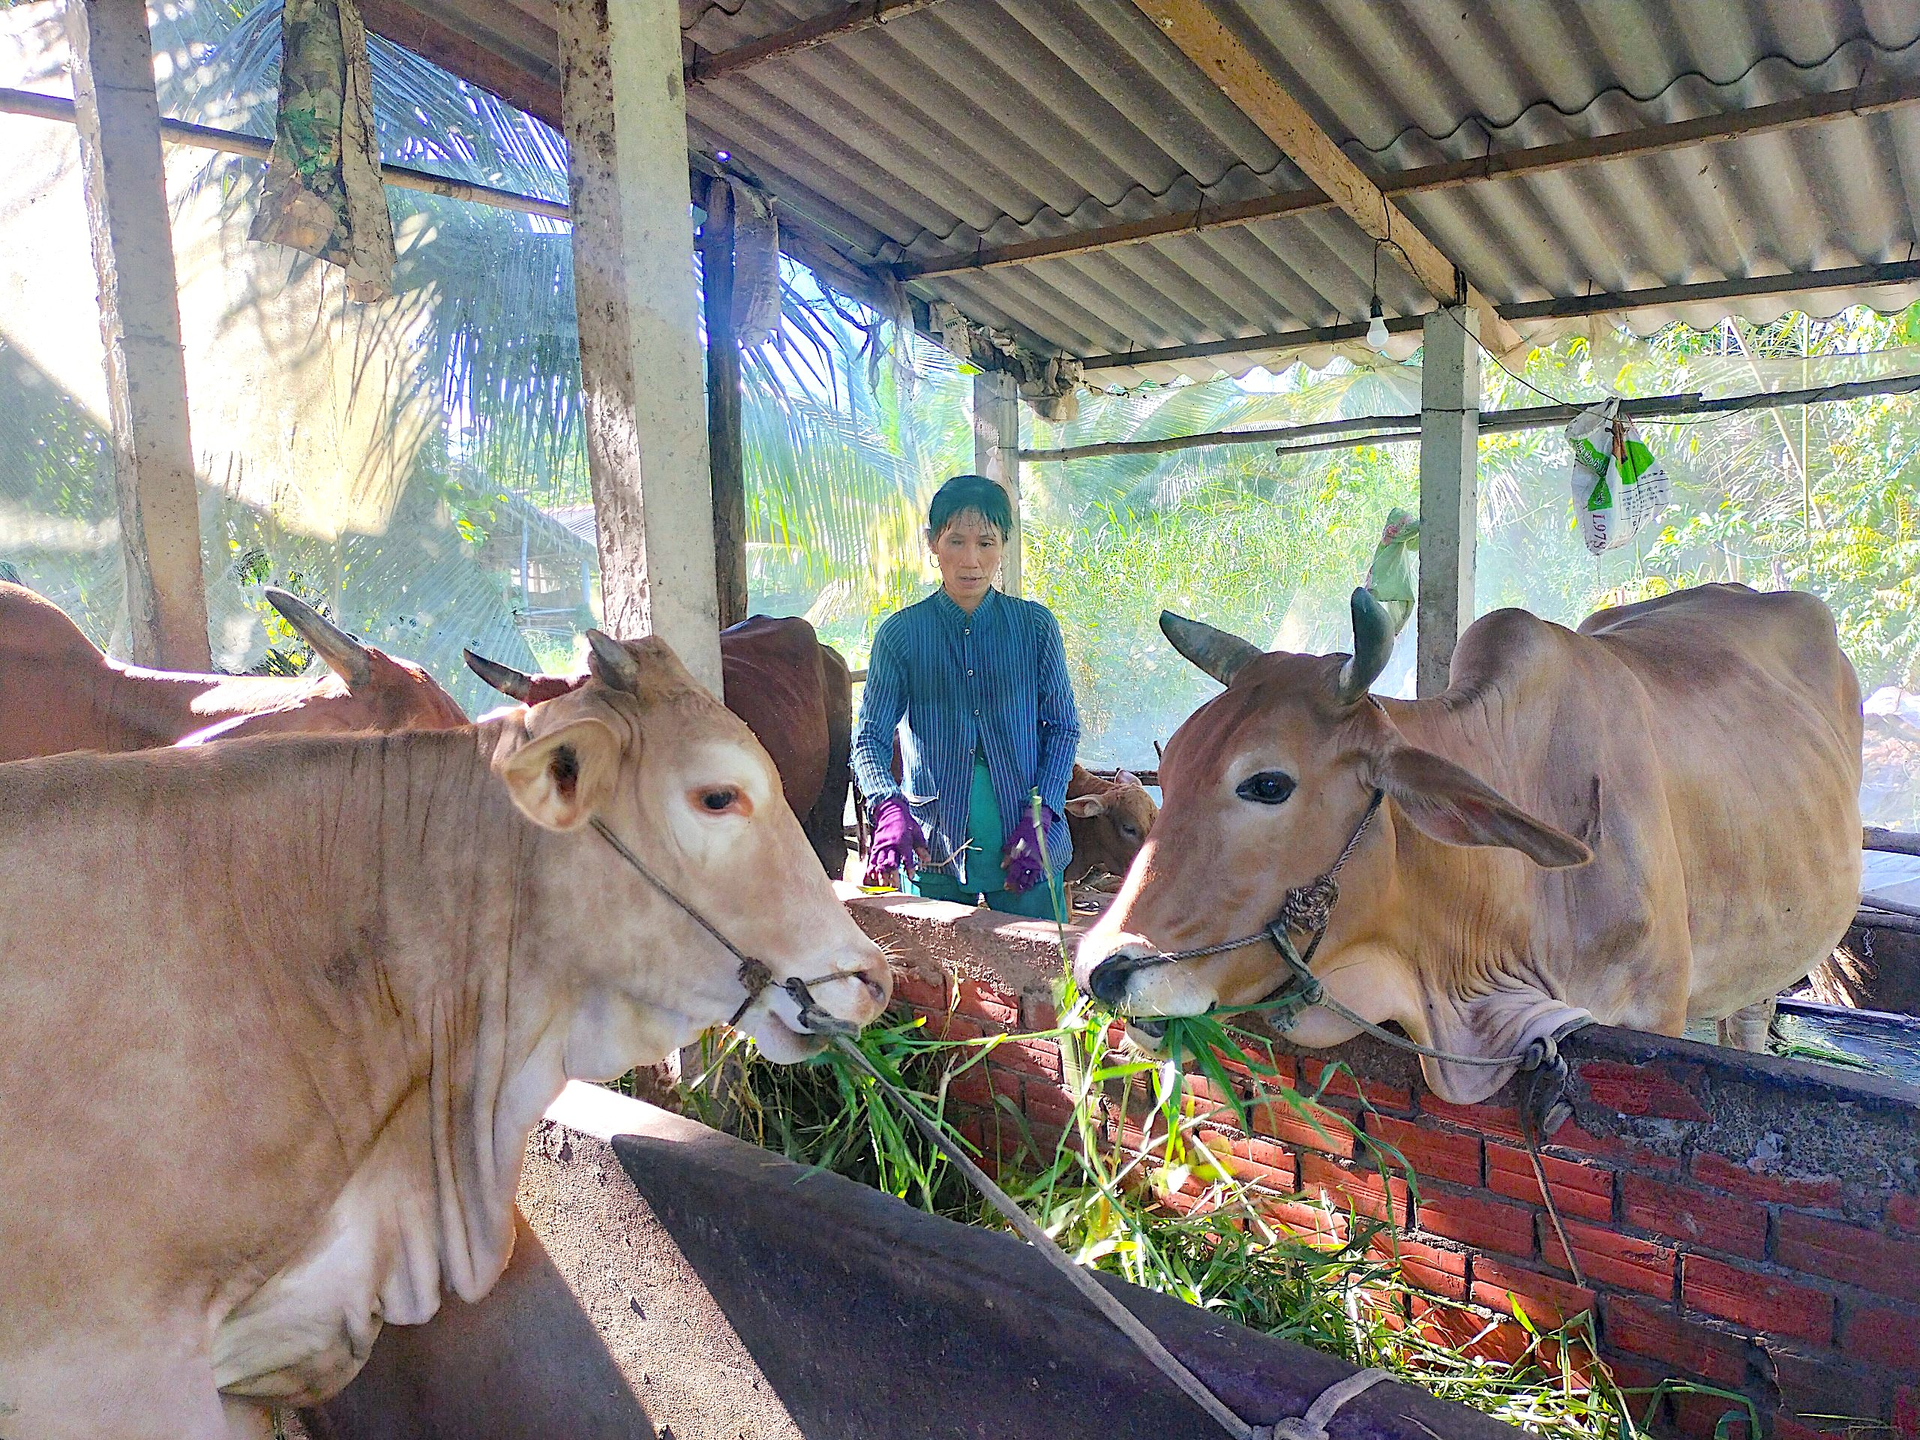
[(931, 937), (674, 1281)]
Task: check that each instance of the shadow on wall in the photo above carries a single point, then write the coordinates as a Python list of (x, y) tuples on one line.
[(525, 1364)]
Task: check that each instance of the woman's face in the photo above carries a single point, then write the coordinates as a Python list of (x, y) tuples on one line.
[(968, 553)]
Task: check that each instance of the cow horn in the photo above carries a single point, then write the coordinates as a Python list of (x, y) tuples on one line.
[(612, 663), (515, 684), (1372, 648), (343, 654), (1215, 651)]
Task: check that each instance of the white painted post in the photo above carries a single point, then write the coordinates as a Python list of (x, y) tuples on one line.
[(1449, 482), (996, 454), (126, 190), (624, 111)]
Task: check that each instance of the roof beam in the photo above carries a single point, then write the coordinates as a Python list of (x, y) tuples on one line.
[(513, 81), (808, 33), (1224, 59), (1536, 159), (1850, 277)]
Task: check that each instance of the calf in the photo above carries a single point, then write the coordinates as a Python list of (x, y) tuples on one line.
[(1109, 821)]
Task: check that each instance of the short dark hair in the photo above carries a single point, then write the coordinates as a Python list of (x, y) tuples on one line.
[(969, 492)]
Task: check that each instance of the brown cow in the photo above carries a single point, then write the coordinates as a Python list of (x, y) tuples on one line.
[(58, 693), (1653, 819), (796, 695), (236, 1138), (1109, 821)]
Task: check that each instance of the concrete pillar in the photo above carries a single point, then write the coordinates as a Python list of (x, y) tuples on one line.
[(996, 453), (1449, 476), (126, 190), (623, 108), (723, 406)]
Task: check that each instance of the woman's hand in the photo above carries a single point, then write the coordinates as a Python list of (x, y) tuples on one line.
[(897, 843), (1021, 859)]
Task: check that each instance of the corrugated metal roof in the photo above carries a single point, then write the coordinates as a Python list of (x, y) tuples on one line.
[(985, 122)]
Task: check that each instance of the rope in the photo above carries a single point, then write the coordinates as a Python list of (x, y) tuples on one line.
[(1311, 1426)]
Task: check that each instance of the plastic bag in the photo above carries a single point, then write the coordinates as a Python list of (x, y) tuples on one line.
[(1390, 578), (1617, 484)]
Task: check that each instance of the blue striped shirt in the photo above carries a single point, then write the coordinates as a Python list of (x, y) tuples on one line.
[(995, 679)]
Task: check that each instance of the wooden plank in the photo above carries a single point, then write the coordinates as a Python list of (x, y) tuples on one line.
[(1222, 58), (1851, 277), (723, 407), (1894, 842), (520, 81), (125, 184), (1534, 160), (834, 25)]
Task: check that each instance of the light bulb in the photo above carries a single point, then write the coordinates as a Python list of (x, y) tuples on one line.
[(1377, 331)]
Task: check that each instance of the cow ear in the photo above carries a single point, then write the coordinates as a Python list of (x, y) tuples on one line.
[(560, 779), (1126, 777), (1085, 807), (1448, 803)]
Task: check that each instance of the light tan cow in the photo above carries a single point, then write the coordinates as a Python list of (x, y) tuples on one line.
[(1703, 748), (58, 693), (277, 1016)]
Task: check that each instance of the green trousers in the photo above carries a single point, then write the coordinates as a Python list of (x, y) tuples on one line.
[(986, 878)]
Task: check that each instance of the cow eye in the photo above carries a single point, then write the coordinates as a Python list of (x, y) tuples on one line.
[(1269, 787), (720, 798), (1132, 832)]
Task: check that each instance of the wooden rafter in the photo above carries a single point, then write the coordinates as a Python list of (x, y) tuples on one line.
[(1610, 302), (1536, 159), (1224, 59), (820, 30)]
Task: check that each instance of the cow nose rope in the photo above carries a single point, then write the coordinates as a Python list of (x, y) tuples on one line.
[(1311, 1426), (757, 978)]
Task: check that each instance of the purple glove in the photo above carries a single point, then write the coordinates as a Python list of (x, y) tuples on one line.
[(1022, 858), (896, 838)]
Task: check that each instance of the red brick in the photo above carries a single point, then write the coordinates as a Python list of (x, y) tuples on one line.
[(970, 1086), (1305, 1219), (1482, 1119), (1029, 1057), (1761, 1302), (1782, 1426), (1883, 1337), (1723, 1174), (1280, 1121), (1426, 1267), (948, 1026), (1820, 1383), (1433, 1154), (1609, 1258), (1036, 1014), (1269, 1067), (911, 987), (1848, 1254), (1473, 1336), (1257, 1162), (1700, 1417), (1548, 1301), (1906, 1413), (1903, 1212), (1046, 1103), (1579, 1188), (1658, 1332), (1683, 1213), (987, 1002), (1339, 1080), (1378, 1196), (1623, 1150), (1652, 1091), (1206, 1090), (1483, 1224)]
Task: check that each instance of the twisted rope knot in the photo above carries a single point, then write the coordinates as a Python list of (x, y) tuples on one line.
[(1309, 907)]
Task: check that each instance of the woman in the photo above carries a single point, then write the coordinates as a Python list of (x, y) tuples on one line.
[(980, 679)]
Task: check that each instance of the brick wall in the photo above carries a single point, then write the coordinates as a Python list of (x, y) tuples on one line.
[(1744, 1222)]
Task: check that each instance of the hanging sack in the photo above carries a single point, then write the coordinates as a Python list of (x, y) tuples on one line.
[(1617, 484)]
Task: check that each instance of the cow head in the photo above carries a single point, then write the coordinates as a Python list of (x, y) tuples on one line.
[(365, 689), (1110, 826), (1262, 788), (681, 782)]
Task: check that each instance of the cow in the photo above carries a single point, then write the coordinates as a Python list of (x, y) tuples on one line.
[(1109, 821), (278, 1015), (1650, 819), (59, 693), (796, 696)]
